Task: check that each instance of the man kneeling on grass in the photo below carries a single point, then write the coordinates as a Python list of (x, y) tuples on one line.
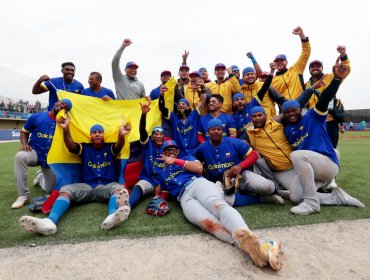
[(203, 204), (98, 181)]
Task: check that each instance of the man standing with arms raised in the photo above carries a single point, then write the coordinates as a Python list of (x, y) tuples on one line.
[(127, 86)]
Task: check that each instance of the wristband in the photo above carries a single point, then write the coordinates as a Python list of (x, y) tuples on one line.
[(180, 162), (254, 61)]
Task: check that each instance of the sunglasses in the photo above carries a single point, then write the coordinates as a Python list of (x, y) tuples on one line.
[(158, 129)]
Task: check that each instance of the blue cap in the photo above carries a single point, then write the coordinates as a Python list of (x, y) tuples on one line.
[(130, 64), (167, 144), (238, 95), (214, 123), (315, 62), (157, 129), (183, 100), (202, 69), (96, 127), (67, 102), (280, 56), (234, 68), (257, 109), (248, 70), (195, 73), (220, 65), (290, 104)]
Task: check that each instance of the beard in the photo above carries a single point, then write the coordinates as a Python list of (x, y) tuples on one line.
[(183, 113)]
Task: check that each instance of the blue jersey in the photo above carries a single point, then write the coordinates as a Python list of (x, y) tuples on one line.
[(54, 84), (243, 118), (97, 164), (174, 177), (42, 128), (99, 94), (310, 134), (217, 159), (185, 133), (228, 123), (154, 94), (152, 166)]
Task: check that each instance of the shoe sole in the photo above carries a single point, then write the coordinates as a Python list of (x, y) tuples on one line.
[(251, 244), (31, 225), (119, 217), (122, 198), (276, 256)]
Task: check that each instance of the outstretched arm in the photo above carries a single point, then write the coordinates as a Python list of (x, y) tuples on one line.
[(37, 88), (68, 140), (161, 102), (117, 73), (123, 130), (267, 83), (339, 71), (256, 66), (145, 108)]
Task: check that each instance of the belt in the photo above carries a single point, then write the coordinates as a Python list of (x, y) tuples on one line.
[(184, 186)]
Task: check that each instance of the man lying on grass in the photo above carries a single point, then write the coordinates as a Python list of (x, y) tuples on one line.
[(203, 204), (98, 181)]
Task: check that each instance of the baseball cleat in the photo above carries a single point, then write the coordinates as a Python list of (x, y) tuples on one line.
[(344, 198), (35, 182), (304, 209), (261, 252), (35, 225), (20, 202), (119, 216), (122, 198)]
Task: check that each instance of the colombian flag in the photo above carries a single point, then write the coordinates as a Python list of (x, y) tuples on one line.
[(87, 111)]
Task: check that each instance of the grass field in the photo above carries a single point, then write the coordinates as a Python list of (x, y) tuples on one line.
[(82, 223)]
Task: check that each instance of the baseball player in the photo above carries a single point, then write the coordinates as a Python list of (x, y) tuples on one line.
[(222, 153), (34, 151), (203, 205), (185, 122), (242, 107), (67, 83), (214, 105), (149, 176), (311, 161), (289, 81), (99, 181)]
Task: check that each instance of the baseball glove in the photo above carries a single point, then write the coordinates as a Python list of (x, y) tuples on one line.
[(230, 184), (157, 207)]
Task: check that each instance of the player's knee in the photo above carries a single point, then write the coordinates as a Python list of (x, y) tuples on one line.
[(20, 157)]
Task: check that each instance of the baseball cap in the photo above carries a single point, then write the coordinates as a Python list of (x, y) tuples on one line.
[(67, 102), (238, 95), (166, 72), (183, 100), (290, 104), (248, 70), (168, 144), (220, 65), (235, 68), (131, 64), (195, 73), (157, 129), (202, 69), (264, 74), (315, 62), (214, 123), (184, 67), (257, 109), (280, 56), (96, 127)]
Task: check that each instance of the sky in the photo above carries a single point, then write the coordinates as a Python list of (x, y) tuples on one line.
[(37, 36)]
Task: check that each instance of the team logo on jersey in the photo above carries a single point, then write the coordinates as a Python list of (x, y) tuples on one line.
[(227, 155)]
